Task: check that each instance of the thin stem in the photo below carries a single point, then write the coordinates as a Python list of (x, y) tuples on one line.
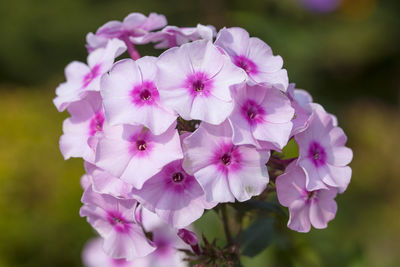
[(131, 48), (225, 224)]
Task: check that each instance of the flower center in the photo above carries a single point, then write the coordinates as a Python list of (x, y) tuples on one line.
[(252, 112), (118, 220), (226, 159), (145, 95), (198, 85), (96, 124), (177, 177), (246, 64), (317, 154), (141, 145)]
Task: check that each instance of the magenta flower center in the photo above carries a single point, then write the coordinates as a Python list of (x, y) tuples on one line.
[(252, 112), (145, 94), (246, 64), (310, 196), (119, 223), (226, 159), (199, 84), (96, 123), (141, 145), (317, 154), (89, 77), (177, 177)]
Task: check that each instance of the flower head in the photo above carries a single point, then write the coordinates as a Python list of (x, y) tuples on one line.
[(262, 117), (173, 195), (114, 220), (131, 96), (301, 102), (83, 129), (133, 25), (134, 154), (82, 78), (195, 80), (253, 56), (225, 171), (323, 154), (172, 36), (316, 207)]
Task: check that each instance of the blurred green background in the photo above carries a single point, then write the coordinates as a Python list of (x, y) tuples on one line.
[(348, 58)]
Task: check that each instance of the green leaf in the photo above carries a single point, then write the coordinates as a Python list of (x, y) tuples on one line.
[(257, 236)]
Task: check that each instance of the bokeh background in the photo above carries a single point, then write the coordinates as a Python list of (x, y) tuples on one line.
[(346, 53)]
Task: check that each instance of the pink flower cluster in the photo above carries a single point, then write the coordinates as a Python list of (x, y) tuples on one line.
[(176, 134)]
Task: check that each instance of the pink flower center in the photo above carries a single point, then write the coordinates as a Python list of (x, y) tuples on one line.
[(317, 154), (310, 196), (199, 84), (246, 64), (89, 77), (119, 223), (96, 123), (252, 112), (178, 177), (145, 94), (141, 145), (227, 158)]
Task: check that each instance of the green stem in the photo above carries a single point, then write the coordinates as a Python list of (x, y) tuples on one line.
[(225, 224)]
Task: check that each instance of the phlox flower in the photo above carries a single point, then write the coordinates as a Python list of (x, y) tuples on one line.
[(134, 154), (224, 170), (306, 208), (301, 102), (93, 255), (82, 78), (254, 56), (114, 220), (104, 183), (83, 129), (172, 36), (195, 80), (262, 117), (173, 195), (323, 154), (133, 25), (131, 97)]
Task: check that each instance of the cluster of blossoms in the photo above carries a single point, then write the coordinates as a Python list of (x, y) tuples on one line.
[(174, 135)]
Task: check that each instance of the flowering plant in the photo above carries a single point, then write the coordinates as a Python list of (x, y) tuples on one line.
[(202, 126)]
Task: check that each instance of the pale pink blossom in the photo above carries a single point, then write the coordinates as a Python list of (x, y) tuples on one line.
[(114, 220), (172, 36), (83, 129), (195, 80), (131, 97), (82, 78), (93, 255), (225, 171), (104, 183), (301, 101), (262, 117), (133, 25), (173, 195), (254, 56), (134, 154), (323, 154), (306, 208)]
